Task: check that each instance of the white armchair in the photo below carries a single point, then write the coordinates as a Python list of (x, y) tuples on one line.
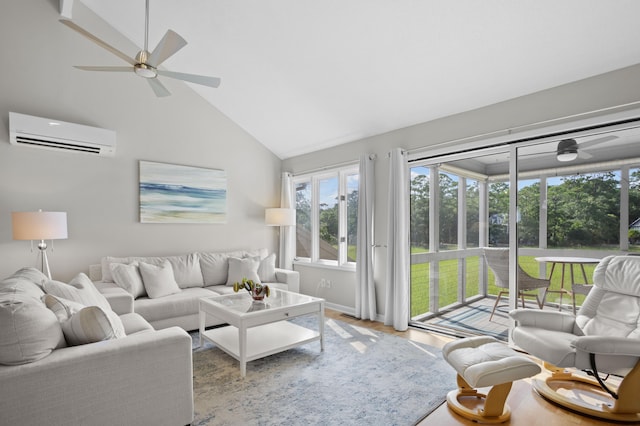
[(603, 338)]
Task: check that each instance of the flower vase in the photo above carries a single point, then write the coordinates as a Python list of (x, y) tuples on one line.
[(258, 293)]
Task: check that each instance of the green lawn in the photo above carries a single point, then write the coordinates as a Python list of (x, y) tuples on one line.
[(448, 281)]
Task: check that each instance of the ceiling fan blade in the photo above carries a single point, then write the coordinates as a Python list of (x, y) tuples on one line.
[(584, 155), (109, 69), (169, 45), (596, 141), (192, 78), (158, 88), (97, 41)]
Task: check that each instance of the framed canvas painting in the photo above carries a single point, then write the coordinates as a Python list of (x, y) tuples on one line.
[(172, 193)]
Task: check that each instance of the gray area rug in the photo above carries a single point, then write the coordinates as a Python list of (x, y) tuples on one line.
[(363, 377)]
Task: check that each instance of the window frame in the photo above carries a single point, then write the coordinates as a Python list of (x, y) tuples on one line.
[(313, 178)]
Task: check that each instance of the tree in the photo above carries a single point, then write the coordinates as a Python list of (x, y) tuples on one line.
[(499, 213), (420, 211)]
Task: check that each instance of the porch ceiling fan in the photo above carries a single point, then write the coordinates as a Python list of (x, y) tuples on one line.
[(145, 64), (570, 149)]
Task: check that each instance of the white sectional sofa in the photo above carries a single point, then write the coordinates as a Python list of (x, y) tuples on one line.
[(165, 290), (67, 359)]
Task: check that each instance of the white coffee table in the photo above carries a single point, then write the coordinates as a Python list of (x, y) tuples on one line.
[(260, 329)]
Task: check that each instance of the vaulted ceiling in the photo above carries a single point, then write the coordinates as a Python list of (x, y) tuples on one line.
[(302, 75)]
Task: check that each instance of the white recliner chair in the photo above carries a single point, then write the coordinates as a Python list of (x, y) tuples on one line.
[(602, 339)]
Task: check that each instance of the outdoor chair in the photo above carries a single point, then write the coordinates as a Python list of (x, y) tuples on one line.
[(602, 339), (498, 261)]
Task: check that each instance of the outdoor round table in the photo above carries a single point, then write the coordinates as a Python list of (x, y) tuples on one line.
[(569, 261)]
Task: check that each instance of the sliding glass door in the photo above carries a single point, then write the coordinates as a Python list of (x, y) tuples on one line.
[(584, 205)]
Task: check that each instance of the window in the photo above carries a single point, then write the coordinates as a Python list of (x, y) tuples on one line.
[(327, 216)]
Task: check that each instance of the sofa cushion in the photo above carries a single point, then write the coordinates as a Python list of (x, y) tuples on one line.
[(215, 267), (32, 275), (80, 289), (18, 283), (134, 323), (186, 268), (177, 305), (243, 268), (267, 269), (159, 281), (28, 330), (128, 277), (261, 253)]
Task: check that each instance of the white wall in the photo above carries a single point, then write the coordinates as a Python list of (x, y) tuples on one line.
[(100, 194), (608, 90)]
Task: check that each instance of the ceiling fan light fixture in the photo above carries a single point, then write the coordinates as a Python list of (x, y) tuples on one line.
[(567, 150), (567, 156), (145, 71)]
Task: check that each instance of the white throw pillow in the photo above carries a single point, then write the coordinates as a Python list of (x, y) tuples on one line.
[(28, 330), (80, 289), (84, 324), (92, 324), (243, 268), (62, 307), (267, 269), (128, 277), (158, 280)]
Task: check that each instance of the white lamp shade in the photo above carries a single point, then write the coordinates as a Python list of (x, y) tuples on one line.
[(280, 217), (39, 225)]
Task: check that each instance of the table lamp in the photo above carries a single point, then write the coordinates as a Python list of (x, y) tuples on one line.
[(40, 226)]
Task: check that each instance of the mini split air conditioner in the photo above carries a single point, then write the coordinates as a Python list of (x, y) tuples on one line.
[(26, 130)]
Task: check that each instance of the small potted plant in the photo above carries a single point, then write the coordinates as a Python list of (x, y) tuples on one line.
[(255, 289)]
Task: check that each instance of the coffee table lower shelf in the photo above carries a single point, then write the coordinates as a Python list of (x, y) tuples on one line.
[(262, 340)]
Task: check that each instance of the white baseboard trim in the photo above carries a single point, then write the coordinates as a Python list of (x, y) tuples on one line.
[(349, 310)]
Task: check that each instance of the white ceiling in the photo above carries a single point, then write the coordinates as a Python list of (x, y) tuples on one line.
[(302, 75)]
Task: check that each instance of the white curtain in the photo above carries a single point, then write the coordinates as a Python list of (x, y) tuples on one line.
[(396, 310), (365, 286), (287, 233)]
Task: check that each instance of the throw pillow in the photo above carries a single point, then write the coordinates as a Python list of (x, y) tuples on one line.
[(267, 269), (80, 289), (62, 308), (158, 280), (29, 331), (106, 269), (92, 324), (128, 277), (243, 268)]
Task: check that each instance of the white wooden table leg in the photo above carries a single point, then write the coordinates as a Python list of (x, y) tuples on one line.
[(321, 326), (201, 328), (242, 346)]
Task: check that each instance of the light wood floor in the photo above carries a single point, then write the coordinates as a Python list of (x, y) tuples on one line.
[(527, 407)]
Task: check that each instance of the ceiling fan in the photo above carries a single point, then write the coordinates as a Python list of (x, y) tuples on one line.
[(569, 149), (145, 64)]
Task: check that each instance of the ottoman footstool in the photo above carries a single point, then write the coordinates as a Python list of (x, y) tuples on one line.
[(481, 362)]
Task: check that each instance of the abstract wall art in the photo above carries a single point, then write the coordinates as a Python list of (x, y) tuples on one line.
[(172, 193)]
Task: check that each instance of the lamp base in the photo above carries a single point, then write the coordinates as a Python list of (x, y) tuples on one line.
[(44, 261)]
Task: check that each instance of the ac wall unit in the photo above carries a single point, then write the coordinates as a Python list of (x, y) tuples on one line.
[(38, 132)]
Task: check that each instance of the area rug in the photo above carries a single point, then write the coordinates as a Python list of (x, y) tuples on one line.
[(363, 377), (475, 320)]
